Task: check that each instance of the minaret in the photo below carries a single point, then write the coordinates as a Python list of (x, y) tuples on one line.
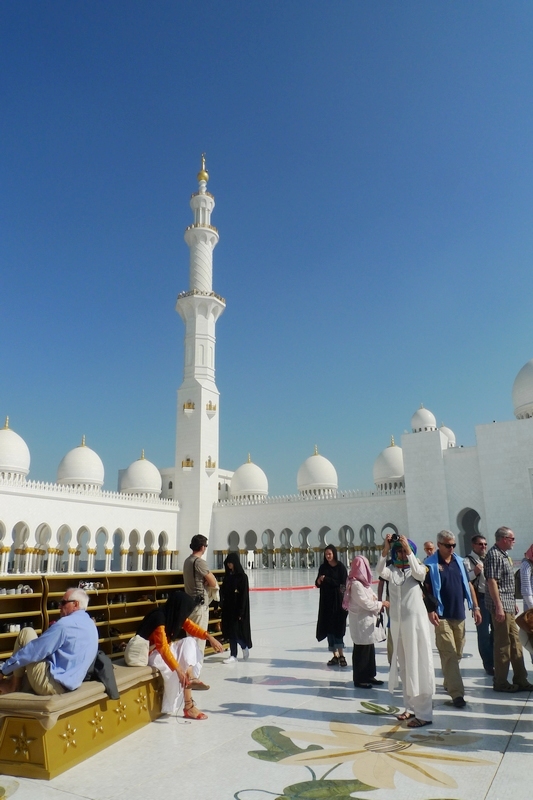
[(196, 486)]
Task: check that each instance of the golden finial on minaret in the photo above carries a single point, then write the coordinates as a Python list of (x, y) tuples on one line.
[(316, 450), (392, 442), (6, 425), (83, 441), (249, 459), (203, 175), (142, 456)]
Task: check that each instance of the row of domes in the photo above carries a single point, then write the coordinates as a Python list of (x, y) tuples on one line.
[(83, 467), (80, 467), (317, 474)]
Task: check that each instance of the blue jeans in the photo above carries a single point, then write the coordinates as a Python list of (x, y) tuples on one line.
[(485, 635), (233, 646), (334, 643)]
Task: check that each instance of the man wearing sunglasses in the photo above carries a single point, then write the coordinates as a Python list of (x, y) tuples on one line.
[(446, 589), (474, 565), (500, 601), (58, 660)]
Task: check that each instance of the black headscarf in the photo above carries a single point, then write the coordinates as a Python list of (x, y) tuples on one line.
[(233, 558), (172, 615)]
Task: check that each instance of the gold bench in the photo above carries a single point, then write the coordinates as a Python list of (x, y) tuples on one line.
[(40, 737)]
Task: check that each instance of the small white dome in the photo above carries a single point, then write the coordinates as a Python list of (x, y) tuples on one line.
[(449, 434), (141, 477), (81, 467), (423, 420), (523, 392), (388, 466), (14, 453), (248, 479), (317, 474)]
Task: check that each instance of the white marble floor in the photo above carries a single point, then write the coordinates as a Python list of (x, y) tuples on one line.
[(482, 752)]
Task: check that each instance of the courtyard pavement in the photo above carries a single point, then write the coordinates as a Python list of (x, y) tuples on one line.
[(284, 725)]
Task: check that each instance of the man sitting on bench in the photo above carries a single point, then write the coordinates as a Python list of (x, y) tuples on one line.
[(58, 660)]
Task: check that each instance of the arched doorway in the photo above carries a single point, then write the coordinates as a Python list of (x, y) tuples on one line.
[(468, 521), (233, 542)]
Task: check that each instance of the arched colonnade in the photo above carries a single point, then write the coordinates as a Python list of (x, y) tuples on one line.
[(44, 550), (288, 549)]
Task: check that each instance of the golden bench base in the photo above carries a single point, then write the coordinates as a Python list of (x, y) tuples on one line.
[(27, 750)]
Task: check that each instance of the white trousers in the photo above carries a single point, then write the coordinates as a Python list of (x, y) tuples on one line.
[(187, 654)]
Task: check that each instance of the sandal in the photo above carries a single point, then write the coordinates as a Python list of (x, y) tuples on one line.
[(198, 686), (188, 707), (342, 662), (405, 715), (418, 723), (334, 662)]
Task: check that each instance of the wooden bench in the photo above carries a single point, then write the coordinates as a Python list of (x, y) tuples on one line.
[(40, 737)]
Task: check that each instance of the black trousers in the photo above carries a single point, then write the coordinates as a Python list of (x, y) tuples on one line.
[(363, 663)]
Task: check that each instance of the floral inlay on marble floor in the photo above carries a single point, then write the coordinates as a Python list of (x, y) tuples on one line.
[(375, 757)]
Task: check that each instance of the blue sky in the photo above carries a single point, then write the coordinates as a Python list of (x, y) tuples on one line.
[(372, 168)]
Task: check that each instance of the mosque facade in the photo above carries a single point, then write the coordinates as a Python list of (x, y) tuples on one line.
[(425, 485)]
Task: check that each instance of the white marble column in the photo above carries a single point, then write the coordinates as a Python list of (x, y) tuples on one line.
[(91, 552)]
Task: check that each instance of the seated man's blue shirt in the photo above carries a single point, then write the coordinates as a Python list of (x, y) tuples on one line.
[(69, 645)]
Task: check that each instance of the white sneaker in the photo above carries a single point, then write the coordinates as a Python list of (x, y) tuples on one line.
[(245, 653), (230, 660)]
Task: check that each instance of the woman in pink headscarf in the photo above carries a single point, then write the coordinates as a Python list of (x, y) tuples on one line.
[(363, 608), (526, 578)]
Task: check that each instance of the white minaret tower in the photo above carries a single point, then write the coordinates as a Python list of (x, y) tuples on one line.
[(196, 486)]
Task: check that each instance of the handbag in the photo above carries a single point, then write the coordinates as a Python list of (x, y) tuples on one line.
[(381, 632), (137, 652)]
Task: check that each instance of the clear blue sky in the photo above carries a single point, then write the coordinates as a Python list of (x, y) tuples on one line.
[(372, 168)]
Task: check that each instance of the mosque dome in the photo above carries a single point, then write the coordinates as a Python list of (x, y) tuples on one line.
[(249, 480), (449, 434), (523, 392), (141, 477), (317, 475), (14, 453), (81, 467), (423, 420), (388, 468)]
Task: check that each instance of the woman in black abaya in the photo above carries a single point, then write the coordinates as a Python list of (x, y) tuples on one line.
[(235, 602), (331, 581)]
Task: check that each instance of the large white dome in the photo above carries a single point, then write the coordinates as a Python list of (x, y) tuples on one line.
[(423, 420), (388, 467), (141, 477), (317, 475), (249, 479), (14, 453), (523, 392), (81, 467)]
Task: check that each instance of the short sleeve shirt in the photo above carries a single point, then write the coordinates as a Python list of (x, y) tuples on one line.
[(194, 571), (499, 566)]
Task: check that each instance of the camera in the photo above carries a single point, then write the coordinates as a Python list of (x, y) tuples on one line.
[(395, 537)]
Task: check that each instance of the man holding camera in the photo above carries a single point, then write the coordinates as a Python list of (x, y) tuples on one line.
[(196, 578)]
